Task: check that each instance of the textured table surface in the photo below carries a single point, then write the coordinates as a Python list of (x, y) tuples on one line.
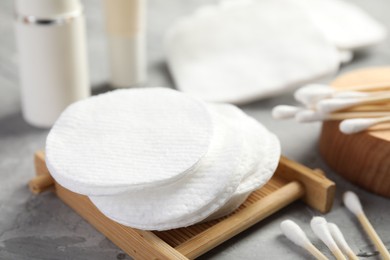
[(42, 227)]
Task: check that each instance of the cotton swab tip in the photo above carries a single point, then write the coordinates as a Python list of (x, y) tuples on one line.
[(352, 202), (319, 225), (312, 93), (294, 233), (284, 111), (356, 125), (305, 116)]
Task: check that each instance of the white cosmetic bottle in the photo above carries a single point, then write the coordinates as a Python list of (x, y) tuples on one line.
[(125, 24), (53, 58)]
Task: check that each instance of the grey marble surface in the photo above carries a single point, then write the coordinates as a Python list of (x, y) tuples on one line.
[(42, 227)]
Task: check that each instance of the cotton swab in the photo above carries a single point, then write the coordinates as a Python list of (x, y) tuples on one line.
[(331, 105), (370, 108), (311, 94), (307, 115), (356, 125), (285, 112), (294, 233), (352, 202), (320, 228), (340, 241)]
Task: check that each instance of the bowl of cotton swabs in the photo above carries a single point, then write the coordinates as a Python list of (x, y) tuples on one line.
[(358, 107)]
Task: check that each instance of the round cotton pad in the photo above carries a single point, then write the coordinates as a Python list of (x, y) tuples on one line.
[(190, 199), (252, 141), (128, 139), (247, 50), (269, 160)]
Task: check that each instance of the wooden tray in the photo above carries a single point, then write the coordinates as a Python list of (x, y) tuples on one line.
[(291, 181), (361, 158)]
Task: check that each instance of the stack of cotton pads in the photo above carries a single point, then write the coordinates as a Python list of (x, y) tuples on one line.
[(157, 159)]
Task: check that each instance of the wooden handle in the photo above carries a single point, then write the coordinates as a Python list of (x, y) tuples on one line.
[(41, 183), (351, 255), (349, 115), (369, 87), (373, 236), (315, 252), (369, 108), (374, 100), (338, 254)]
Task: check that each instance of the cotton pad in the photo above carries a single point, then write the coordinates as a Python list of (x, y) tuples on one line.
[(247, 50), (127, 140), (344, 24), (190, 199), (267, 161), (252, 141)]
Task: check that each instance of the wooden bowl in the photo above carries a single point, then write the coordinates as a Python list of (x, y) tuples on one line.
[(363, 158)]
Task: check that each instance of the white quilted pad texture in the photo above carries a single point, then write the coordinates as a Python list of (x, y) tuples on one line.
[(128, 139), (267, 163), (267, 150), (247, 50), (253, 141), (190, 199)]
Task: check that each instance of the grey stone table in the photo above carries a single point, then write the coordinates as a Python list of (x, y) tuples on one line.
[(42, 227)]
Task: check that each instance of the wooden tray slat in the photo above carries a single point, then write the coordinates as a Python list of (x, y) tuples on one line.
[(191, 232), (240, 220), (290, 182)]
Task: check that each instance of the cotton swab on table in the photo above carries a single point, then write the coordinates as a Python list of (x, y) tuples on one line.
[(340, 241), (320, 228), (285, 112), (294, 233), (352, 202), (356, 125), (331, 105)]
